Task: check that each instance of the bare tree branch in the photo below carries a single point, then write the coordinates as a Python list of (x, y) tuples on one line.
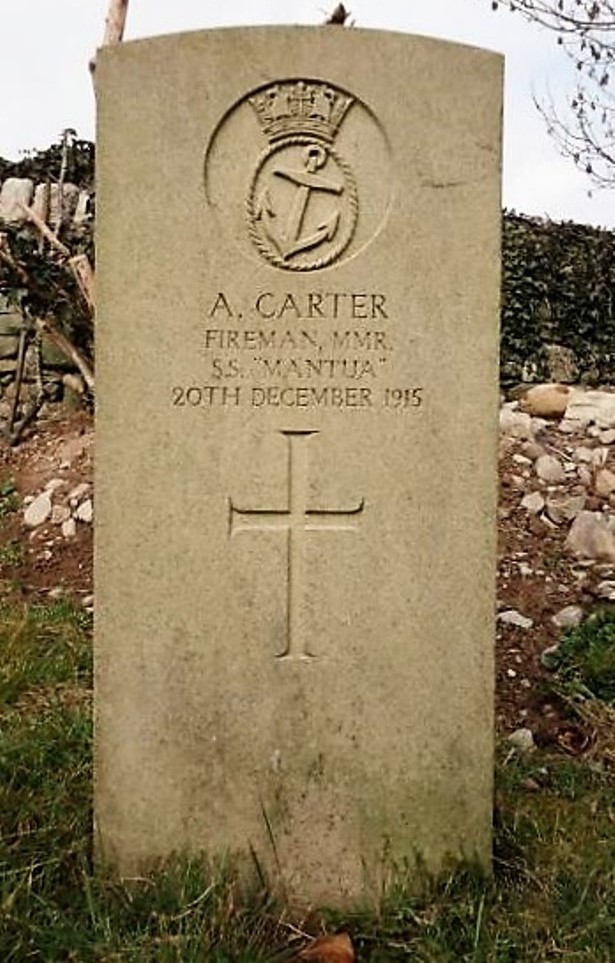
[(583, 125)]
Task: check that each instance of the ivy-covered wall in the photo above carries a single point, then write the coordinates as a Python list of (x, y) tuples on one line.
[(558, 302)]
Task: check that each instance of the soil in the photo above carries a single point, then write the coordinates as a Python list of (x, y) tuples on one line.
[(535, 574)]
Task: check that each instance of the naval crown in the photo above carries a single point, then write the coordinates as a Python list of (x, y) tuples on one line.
[(300, 107)]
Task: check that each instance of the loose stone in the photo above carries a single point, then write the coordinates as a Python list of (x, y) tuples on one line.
[(548, 400), (69, 528), (522, 739), (85, 511), (512, 617), (533, 502), (516, 424), (38, 511), (604, 483), (549, 469), (591, 536), (568, 617)]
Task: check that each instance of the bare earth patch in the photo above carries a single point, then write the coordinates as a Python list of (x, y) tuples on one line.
[(537, 575)]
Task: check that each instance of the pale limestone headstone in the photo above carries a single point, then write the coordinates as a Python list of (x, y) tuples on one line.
[(298, 273), (15, 192)]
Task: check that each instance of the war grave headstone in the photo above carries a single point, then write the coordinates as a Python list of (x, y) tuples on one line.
[(298, 278)]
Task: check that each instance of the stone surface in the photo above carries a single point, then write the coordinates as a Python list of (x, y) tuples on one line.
[(592, 536), (568, 617), (14, 192), (533, 502), (516, 424), (38, 511), (85, 511), (69, 528), (604, 482), (277, 522), (547, 401), (549, 469), (606, 590), (592, 407), (563, 508), (522, 739), (512, 617)]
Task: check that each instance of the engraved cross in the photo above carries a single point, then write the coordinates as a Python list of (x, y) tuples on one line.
[(295, 520)]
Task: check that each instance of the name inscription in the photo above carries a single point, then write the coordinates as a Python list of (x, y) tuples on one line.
[(320, 349)]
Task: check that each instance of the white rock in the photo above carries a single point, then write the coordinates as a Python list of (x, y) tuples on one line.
[(60, 514), (585, 475), (549, 469), (54, 484), (69, 528), (532, 450), (82, 213), (74, 383), (606, 590), (533, 502), (512, 617), (597, 407), (568, 617), (539, 424), (608, 437), (77, 493), (564, 509), (583, 454), (15, 192), (591, 536), (547, 401), (599, 457), (516, 424), (38, 511), (521, 460), (522, 739), (85, 511), (604, 482)]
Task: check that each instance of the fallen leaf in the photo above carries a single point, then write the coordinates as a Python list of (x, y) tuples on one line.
[(329, 949)]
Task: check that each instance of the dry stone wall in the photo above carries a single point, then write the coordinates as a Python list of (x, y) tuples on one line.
[(68, 211), (44, 199), (557, 318)]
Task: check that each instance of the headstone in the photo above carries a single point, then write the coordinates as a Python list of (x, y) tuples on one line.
[(15, 192), (298, 275)]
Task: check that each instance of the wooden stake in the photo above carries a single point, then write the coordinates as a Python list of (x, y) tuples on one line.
[(46, 327), (115, 25), (67, 348), (115, 22)]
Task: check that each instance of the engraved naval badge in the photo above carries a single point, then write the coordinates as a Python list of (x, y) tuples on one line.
[(302, 201)]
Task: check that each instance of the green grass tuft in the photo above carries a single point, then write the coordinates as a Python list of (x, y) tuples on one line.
[(586, 657), (9, 499), (550, 896)]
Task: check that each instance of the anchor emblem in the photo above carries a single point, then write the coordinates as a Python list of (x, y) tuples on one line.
[(302, 202), (289, 240)]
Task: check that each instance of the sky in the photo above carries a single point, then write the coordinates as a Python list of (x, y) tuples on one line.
[(45, 85)]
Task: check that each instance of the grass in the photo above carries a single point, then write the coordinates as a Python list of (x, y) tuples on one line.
[(550, 897), (586, 657), (9, 499)]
